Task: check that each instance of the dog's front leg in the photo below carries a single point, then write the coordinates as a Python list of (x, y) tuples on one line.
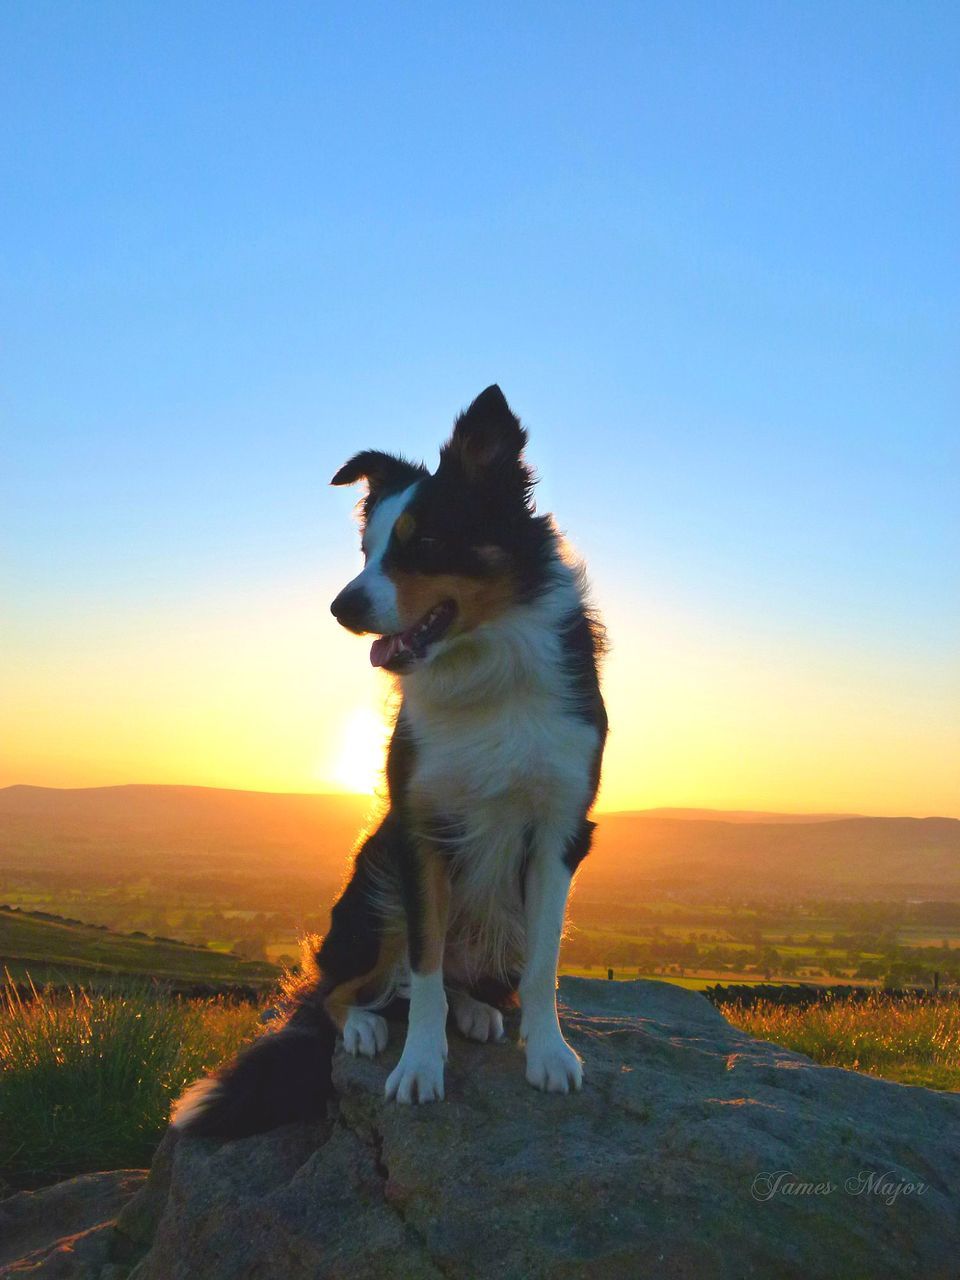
[(418, 1076), (551, 1064)]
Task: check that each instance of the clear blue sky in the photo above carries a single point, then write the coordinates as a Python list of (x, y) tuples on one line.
[(710, 251)]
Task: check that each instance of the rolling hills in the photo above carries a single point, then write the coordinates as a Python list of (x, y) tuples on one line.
[(205, 838), (191, 828), (251, 872), (865, 858)]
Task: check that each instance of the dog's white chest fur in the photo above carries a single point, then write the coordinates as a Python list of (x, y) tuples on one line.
[(525, 752), (501, 759)]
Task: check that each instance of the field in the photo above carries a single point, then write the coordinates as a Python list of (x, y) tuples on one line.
[(818, 942), (693, 896), (694, 944)]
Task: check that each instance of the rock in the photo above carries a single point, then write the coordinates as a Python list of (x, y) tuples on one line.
[(64, 1230), (693, 1151)]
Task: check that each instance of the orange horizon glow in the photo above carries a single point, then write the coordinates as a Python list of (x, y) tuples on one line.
[(90, 781), (269, 696)]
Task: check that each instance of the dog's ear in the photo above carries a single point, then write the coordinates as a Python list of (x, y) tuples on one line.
[(382, 472), (487, 438)]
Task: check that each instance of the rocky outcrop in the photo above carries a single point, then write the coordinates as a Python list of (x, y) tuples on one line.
[(67, 1229), (693, 1151)]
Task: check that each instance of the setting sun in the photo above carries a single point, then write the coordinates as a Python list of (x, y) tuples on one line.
[(356, 761)]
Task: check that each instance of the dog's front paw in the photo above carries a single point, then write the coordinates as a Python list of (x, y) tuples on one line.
[(364, 1033), (417, 1077), (474, 1019), (552, 1065)]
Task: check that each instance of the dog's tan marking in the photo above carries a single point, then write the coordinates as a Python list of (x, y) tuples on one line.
[(370, 985), (478, 600), (435, 909)]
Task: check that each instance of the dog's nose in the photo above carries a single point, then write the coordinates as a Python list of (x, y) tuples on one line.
[(351, 608)]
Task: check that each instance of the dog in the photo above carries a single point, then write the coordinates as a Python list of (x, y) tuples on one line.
[(458, 898)]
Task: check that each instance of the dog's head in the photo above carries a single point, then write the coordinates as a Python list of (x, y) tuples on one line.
[(444, 553)]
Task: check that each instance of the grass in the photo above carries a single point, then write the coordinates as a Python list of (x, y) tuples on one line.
[(52, 949), (913, 1041), (88, 1078)]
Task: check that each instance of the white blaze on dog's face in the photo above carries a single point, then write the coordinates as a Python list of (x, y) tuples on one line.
[(444, 553), (369, 601)]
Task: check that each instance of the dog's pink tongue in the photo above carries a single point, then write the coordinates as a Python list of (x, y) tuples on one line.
[(384, 649)]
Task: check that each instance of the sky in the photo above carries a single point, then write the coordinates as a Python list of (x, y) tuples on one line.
[(710, 253)]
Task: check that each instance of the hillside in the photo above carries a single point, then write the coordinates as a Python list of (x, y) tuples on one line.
[(55, 949), (734, 815), (848, 857), (209, 841), (194, 828)]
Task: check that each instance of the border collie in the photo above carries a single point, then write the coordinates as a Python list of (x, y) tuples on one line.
[(457, 899)]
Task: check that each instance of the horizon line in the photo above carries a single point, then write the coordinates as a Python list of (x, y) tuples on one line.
[(827, 815)]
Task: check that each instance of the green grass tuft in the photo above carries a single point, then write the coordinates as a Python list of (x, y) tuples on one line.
[(912, 1041), (88, 1078)]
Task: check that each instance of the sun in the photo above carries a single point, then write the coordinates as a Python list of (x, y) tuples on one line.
[(358, 753)]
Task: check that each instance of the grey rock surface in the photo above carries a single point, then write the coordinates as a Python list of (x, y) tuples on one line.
[(693, 1151), (64, 1229)]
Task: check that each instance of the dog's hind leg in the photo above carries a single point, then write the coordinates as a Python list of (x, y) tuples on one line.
[(361, 951), (475, 1020), (364, 1032)]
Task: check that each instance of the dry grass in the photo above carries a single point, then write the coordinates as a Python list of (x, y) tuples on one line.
[(914, 1041), (87, 1078)]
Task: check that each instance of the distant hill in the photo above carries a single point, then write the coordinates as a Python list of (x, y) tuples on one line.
[(191, 814), (192, 829), (196, 834), (733, 815), (51, 948)]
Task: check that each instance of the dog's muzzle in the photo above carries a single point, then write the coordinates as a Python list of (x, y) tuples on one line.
[(352, 609)]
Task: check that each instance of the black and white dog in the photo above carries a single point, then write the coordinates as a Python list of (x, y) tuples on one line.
[(457, 899)]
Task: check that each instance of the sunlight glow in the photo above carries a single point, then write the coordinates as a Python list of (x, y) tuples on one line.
[(262, 692), (357, 761)]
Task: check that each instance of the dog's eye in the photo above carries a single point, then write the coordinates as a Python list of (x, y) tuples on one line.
[(405, 526)]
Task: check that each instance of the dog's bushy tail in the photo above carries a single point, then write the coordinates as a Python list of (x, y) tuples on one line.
[(283, 1076)]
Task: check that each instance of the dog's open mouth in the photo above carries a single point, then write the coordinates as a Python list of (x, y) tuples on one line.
[(399, 651)]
